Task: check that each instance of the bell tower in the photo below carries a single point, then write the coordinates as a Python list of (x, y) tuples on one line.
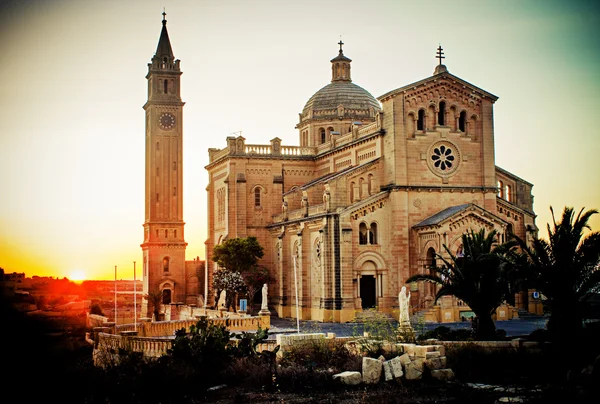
[(164, 245)]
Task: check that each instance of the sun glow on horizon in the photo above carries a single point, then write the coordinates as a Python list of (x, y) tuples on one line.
[(77, 276)]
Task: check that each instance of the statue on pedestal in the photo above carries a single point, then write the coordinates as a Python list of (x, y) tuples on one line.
[(403, 303), (264, 309)]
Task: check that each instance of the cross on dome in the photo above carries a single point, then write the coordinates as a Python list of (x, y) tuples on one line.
[(440, 54)]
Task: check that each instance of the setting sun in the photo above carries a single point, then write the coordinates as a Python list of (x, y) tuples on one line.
[(77, 276)]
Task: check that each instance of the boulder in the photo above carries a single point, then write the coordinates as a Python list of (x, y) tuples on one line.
[(414, 370), (349, 378), (392, 369), (436, 363), (371, 370), (405, 359), (442, 374)]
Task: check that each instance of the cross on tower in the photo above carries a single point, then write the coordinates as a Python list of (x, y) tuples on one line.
[(340, 43), (440, 54), (164, 14)]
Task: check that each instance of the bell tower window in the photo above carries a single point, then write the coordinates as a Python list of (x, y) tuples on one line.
[(322, 135), (442, 114), (462, 119), (421, 119), (166, 86)]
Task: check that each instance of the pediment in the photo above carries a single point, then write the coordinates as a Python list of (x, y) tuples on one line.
[(466, 216), (445, 84)]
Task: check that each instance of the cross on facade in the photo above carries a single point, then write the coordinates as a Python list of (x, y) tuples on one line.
[(440, 54)]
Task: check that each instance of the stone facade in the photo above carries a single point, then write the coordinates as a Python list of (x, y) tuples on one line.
[(369, 197)]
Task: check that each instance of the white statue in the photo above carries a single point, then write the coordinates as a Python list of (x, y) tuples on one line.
[(221, 302), (403, 301), (264, 298)]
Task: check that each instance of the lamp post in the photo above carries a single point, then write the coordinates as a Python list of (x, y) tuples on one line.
[(115, 295), (134, 299)]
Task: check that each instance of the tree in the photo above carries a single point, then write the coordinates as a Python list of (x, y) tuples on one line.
[(566, 270), (480, 278), (154, 301), (238, 254), (255, 278), (232, 283)]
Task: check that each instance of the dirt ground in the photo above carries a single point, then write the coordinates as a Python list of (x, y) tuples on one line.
[(420, 393)]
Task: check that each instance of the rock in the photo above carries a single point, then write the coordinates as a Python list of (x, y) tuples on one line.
[(442, 374), (432, 354), (393, 369), (405, 359), (421, 350), (349, 378), (414, 370), (371, 370), (436, 363)]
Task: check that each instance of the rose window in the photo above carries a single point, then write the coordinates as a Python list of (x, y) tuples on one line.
[(443, 158)]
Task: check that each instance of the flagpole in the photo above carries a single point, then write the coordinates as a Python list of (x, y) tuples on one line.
[(134, 299), (115, 295), (297, 309)]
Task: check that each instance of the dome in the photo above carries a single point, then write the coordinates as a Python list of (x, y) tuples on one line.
[(345, 93)]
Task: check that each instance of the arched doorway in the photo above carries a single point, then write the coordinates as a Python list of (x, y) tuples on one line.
[(368, 285), (368, 291)]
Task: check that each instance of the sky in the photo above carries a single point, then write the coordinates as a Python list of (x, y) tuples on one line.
[(72, 123)]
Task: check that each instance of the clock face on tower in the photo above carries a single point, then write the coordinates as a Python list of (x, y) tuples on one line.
[(166, 121)]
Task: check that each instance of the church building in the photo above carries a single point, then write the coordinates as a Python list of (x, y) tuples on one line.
[(375, 189)]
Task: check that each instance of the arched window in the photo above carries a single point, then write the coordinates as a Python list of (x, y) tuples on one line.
[(370, 184), (500, 189), (430, 260), (462, 121), (157, 171), (166, 296), (421, 120), (322, 135), (352, 192), (157, 146), (174, 191), (442, 114), (166, 264), (329, 130), (362, 234), (166, 233), (373, 234), (175, 233), (257, 196), (166, 86), (174, 166), (507, 193), (157, 197)]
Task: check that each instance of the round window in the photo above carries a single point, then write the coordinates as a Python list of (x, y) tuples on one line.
[(443, 158)]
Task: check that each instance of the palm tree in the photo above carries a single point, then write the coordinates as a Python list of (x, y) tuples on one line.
[(154, 301), (480, 278), (566, 270)]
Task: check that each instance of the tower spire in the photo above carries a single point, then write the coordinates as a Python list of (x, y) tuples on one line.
[(164, 44)]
